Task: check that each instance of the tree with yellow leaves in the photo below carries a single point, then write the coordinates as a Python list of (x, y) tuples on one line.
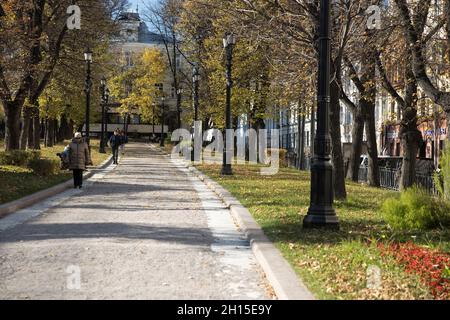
[(135, 88)]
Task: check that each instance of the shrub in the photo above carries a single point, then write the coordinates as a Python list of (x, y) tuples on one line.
[(44, 167), (19, 158), (416, 210)]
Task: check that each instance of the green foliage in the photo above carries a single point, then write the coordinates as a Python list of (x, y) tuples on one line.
[(44, 167), (442, 179), (416, 210), (19, 158)]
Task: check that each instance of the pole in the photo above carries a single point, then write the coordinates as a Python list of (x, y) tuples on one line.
[(226, 167), (161, 143), (106, 120), (102, 135), (195, 102), (321, 212), (153, 120), (88, 100)]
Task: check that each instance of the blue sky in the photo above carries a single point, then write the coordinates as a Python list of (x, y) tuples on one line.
[(140, 2)]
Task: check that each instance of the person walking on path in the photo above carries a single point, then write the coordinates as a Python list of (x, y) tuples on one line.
[(115, 142), (123, 142), (79, 158)]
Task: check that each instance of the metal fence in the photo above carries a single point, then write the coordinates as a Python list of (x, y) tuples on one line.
[(390, 179)]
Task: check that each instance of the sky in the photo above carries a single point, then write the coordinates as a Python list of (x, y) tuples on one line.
[(140, 2)]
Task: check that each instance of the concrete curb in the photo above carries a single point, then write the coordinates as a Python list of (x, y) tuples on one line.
[(11, 207), (285, 282)]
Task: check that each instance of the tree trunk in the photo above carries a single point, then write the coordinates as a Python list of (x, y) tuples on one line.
[(313, 129), (357, 142), (25, 130), (63, 129), (55, 131), (372, 149), (30, 140), (69, 133), (12, 127), (301, 141), (36, 129), (337, 156), (448, 128), (410, 141), (410, 135), (50, 133)]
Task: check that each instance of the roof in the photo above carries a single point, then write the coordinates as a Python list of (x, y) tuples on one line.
[(146, 36)]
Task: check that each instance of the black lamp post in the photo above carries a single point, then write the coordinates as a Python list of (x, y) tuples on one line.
[(105, 97), (161, 143), (88, 85), (106, 114), (228, 42), (195, 83), (128, 89), (153, 120), (179, 93), (321, 212)]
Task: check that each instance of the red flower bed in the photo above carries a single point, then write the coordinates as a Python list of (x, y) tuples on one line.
[(428, 264)]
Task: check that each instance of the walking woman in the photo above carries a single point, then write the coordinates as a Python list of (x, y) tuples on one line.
[(79, 158)]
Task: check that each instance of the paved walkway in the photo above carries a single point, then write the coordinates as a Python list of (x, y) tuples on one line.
[(145, 229)]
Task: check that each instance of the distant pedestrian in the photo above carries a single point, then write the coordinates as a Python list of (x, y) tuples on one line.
[(115, 142), (79, 159), (123, 142)]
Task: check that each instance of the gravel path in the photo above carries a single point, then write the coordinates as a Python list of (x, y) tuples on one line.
[(145, 229)]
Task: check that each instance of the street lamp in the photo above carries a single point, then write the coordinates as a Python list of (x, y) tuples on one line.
[(105, 97), (195, 82), (153, 120), (128, 89), (228, 43), (161, 143), (106, 114), (88, 85), (321, 212), (179, 93)]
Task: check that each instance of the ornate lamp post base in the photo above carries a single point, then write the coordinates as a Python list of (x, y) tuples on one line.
[(317, 219), (321, 213), (226, 171)]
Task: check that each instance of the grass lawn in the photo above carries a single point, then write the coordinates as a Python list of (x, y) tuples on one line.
[(333, 264), (18, 182)]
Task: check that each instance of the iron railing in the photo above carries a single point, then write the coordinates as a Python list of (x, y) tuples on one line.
[(390, 179)]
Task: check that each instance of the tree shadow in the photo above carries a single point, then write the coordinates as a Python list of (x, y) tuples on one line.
[(193, 236)]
